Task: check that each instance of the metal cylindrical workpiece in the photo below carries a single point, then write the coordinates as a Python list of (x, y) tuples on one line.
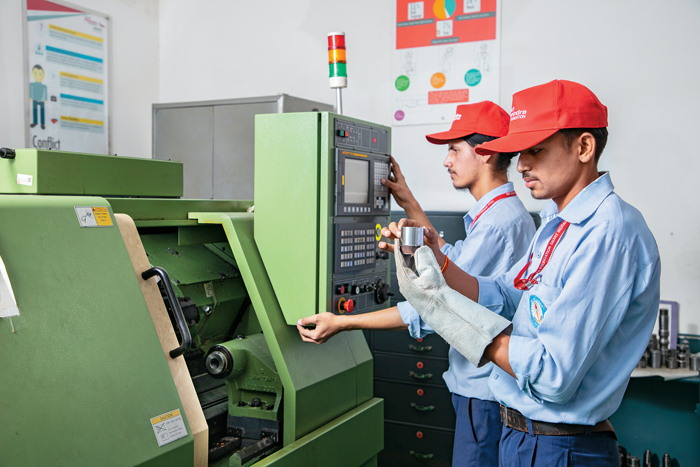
[(655, 360), (671, 362), (666, 461), (695, 362), (653, 342), (411, 239), (633, 461), (683, 357), (663, 329), (646, 460), (642, 363)]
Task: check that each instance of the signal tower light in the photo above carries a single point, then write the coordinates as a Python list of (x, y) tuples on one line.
[(337, 66)]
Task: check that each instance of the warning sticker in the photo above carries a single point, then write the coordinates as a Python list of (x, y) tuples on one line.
[(169, 427), (90, 216), (102, 217)]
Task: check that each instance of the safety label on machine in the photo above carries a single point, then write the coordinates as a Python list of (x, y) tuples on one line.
[(23, 179), (94, 216), (169, 427)]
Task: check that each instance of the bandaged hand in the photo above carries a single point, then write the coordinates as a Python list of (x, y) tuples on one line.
[(464, 324)]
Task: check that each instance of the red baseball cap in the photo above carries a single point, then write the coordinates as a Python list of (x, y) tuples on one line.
[(484, 117), (539, 112)]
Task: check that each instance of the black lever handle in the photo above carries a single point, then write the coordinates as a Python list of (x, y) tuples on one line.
[(175, 306), (7, 153)]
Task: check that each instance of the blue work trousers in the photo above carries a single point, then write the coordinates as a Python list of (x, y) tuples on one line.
[(477, 432), (520, 449)]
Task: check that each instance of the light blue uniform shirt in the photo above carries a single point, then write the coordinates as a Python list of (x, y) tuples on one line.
[(499, 238), (578, 333)]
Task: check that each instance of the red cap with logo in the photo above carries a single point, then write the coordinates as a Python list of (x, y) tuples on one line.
[(484, 117), (541, 111)]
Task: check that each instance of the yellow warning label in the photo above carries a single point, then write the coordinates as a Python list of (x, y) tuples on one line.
[(102, 217), (165, 416)]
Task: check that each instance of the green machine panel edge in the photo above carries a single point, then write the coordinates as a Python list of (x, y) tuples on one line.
[(295, 218), (38, 171)]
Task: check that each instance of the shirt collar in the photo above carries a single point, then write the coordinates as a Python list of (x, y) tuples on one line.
[(476, 209), (584, 204)]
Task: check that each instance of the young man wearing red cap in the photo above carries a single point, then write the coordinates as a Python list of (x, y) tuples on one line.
[(583, 300), (499, 225)]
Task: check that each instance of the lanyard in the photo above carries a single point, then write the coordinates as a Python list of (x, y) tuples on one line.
[(510, 194), (524, 284)]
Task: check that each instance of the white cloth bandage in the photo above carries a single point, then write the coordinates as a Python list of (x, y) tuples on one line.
[(463, 323)]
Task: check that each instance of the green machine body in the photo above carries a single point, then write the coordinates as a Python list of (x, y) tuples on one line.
[(106, 366), (320, 206)]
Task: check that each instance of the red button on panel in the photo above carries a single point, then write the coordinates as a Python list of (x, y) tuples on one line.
[(419, 365), (419, 434), (420, 392), (349, 305)]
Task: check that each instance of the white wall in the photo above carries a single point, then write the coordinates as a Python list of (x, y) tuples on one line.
[(135, 68), (641, 57)]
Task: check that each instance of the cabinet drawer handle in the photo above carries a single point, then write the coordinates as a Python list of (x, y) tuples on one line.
[(418, 455), (418, 348), (422, 408), (420, 375)]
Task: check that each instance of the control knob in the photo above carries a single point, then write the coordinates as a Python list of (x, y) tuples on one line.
[(381, 292)]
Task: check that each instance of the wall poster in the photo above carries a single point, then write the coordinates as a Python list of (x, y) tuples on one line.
[(67, 77), (447, 53)]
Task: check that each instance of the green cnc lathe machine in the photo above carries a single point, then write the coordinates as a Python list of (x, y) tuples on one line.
[(156, 331)]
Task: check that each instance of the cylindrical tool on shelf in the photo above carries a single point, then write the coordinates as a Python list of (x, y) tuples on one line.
[(663, 329), (655, 360), (695, 362)]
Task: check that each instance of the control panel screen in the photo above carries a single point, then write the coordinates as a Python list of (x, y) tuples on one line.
[(356, 181)]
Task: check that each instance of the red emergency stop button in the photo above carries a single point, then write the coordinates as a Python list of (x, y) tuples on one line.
[(349, 305)]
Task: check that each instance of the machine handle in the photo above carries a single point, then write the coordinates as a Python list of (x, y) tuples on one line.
[(7, 153), (422, 408), (175, 306), (418, 348), (420, 375), (418, 455)]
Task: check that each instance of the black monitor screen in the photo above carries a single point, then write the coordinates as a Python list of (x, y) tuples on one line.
[(356, 181)]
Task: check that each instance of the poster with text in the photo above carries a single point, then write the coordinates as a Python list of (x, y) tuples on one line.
[(67, 78), (447, 54)]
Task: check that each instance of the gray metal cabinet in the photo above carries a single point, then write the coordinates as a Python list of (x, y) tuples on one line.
[(215, 140)]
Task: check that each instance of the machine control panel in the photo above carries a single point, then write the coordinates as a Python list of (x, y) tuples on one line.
[(358, 184), (361, 137), (362, 206), (360, 294)]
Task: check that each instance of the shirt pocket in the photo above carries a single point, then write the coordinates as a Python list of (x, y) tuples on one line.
[(539, 301)]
